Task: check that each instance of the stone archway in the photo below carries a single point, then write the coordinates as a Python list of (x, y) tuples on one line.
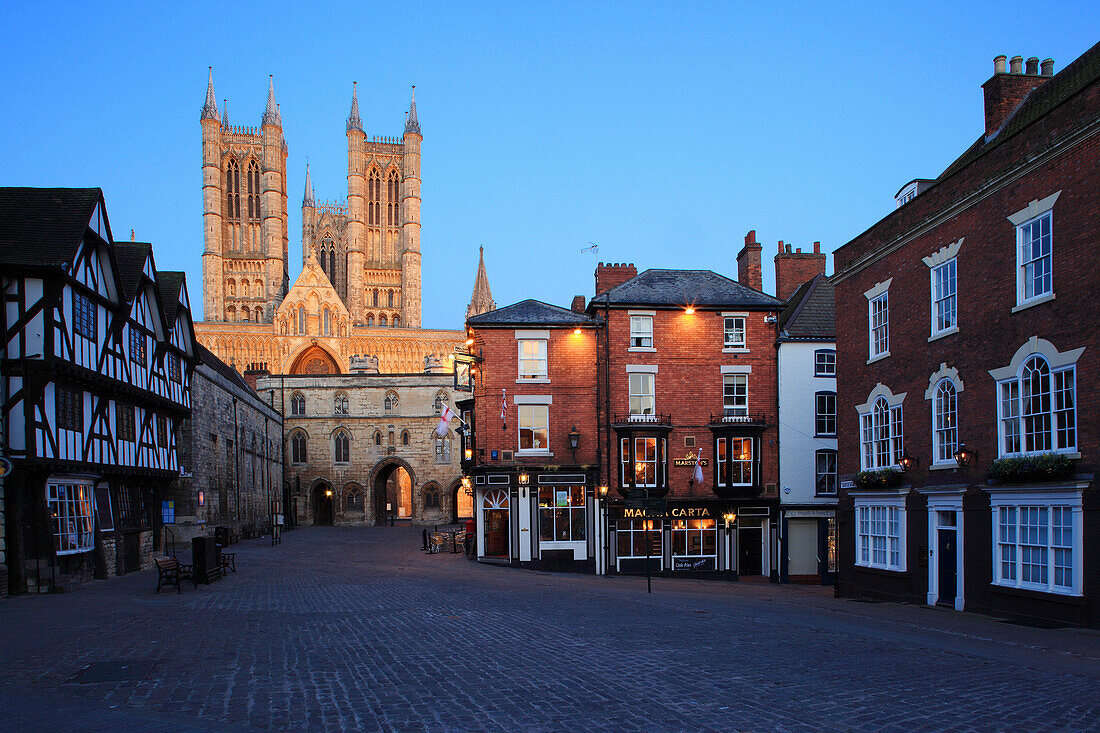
[(314, 360), (462, 504), (321, 503), (392, 481)]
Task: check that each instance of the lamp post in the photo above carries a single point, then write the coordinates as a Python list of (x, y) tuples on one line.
[(574, 439), (606, 524)]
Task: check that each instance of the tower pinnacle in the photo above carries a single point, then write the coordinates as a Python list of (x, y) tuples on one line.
[(225, 113), (271, 113), (354, 123), (411, 123), (307, 198), (210, 108), (482, 299)]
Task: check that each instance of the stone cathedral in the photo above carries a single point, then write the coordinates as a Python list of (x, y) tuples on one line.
[(359, 290)]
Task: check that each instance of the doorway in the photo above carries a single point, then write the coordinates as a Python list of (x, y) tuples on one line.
[(750, 548), (322, 504), (496, 523), (392, 490), (947, 559)]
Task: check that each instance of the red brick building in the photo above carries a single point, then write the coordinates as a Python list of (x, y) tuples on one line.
[(966, 354)]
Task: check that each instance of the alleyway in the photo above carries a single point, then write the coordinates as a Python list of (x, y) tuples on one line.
[(356, 629)]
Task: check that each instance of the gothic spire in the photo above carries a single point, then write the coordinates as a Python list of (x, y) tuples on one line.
[(411, 123), (482, 299), (210, 109), (225, 113), (271, 113), (307, 198), (354, 122)]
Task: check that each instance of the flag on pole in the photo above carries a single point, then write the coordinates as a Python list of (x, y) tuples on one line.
[(444, 421), (503, 409), (698, 475)]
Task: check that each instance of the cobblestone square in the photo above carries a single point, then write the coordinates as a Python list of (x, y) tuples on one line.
[(357, 629)]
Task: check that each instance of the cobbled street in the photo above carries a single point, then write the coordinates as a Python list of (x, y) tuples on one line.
[(357, 629)]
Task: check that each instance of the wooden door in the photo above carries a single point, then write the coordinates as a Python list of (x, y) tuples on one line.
[(496, 532), (947, 558)]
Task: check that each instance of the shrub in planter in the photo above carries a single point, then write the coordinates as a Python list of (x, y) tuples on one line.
[(885, 478), (1041, 467)]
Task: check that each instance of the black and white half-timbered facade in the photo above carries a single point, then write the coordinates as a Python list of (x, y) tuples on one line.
[(98, 352)]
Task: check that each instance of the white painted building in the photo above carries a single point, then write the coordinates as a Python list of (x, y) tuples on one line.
[(807, 435)]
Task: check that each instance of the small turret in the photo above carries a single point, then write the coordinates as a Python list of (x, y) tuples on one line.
[(225, 113), (271, 112), (482, 299), (411, 123), (307, 198), (354, 123), (210, 108)]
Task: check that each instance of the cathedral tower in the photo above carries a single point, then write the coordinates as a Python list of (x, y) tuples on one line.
[(244, 265)]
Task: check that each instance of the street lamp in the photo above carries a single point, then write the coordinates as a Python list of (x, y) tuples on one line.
[(524, 479), (962, 456), (907, 462), (574, 439)]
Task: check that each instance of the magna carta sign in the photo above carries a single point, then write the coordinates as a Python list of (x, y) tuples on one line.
[(673, 512)]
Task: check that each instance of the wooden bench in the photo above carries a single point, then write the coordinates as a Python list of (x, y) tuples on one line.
[(171, 571)]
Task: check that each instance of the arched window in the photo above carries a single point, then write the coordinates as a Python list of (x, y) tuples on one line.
[(298, 447), (397, 321), (389, 299), (382, 320), (1039, 409), (378, 437), (233, 190), (374, 199), (353, 502), (443, 450), (431, 499), (393, 195), (390, 402), (332, 265), (301, 319), (328, 324), (340, 404), (404, 437), (297, 404), (231, 314), (440, 397), (244, 313), (370, 320), (945, 427), (881, 439), (231, 288), (374, 300), (256, 313), (253, 191), (341, 447)]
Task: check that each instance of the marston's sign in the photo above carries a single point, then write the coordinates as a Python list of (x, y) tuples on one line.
[(687, 462)]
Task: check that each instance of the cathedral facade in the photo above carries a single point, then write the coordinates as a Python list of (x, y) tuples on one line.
[(359, 291)]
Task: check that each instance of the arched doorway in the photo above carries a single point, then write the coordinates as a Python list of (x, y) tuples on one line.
[(392, 488), (322, 504), (462, 504), (314, 360)]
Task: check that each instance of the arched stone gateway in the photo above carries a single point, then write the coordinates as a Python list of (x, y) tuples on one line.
[(392, 483), (321, 496), (462, 504)]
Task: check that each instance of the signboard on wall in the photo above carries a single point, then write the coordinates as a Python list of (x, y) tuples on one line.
[(168, 511)]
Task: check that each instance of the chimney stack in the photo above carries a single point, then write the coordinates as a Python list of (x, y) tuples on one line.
[(1004, 92), (792, 269), (748, 263), (577, 306), (612, 275)]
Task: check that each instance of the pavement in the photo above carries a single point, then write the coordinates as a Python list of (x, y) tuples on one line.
[(354, 628)]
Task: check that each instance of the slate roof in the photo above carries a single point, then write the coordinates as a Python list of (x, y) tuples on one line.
[(44, 226), (130, 258), (169, 283), (206, 356), (809, 314), (1065, 84), (701, 288), (531, 313)]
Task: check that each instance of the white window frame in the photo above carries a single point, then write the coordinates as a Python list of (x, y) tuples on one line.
[(533, 418), (693, 527), (71, 501), (945, 257), (638, 322), (878, 423), (886, 513), (878, 321), (735, 395), (1034, 214), (945, 298), (571, 510), (943, 375), (536, 362), (826, 453), (1044, 503), (823, 366), (1012, 403), (733, 345), (726, 462), (638, 394), (825, 415)]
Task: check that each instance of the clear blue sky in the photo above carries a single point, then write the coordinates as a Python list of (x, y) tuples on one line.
[(662, 132)]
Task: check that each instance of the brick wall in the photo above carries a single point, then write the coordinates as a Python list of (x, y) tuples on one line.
[(792, 269)]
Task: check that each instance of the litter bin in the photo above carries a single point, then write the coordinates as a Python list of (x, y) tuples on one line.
[(206, 557)]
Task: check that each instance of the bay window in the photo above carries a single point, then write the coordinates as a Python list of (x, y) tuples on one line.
[(71, 503), (880, 535), (1038, 542)]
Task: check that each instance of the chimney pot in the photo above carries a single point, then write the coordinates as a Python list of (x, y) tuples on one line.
[(798, 250), (750, 238), (1048, 67), (1016, 64), (1033, 65), (999, 64), (817, 248), (781, 248)]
